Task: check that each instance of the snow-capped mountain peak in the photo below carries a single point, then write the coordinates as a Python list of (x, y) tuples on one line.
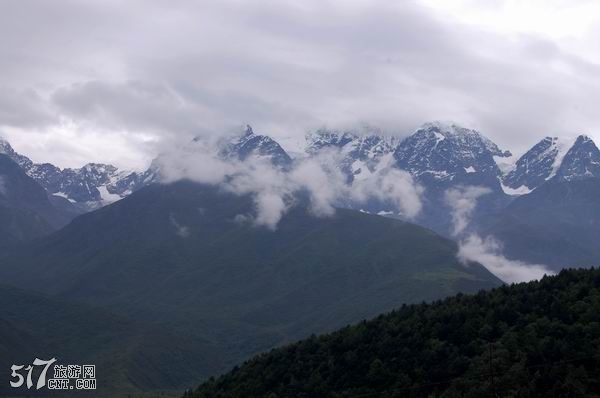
[(553, 157), (7, 149), (582, 160), (250, 144), (443, 151)]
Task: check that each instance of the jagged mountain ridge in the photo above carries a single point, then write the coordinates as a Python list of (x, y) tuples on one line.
[(441, 154), (90, 186), (97, 184)]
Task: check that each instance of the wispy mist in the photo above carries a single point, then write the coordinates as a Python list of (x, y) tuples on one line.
[(486, 251), (463, 201)]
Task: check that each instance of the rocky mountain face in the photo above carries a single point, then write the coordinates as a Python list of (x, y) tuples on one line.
[(439, 152), (443, 156), (582, 161)]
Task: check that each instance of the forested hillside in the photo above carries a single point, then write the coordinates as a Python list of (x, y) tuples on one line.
[(528, 340)]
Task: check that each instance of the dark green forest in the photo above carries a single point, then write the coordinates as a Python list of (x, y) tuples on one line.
[(537, 339)]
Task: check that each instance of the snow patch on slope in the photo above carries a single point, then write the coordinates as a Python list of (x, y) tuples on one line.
[(506, 164), (107, 197), (522, 190), (561, 147)]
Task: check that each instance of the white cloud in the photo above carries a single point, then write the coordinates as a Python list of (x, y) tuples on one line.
[(274, 191), (391, 184), (462, 201), (323, 186), (488, 252)]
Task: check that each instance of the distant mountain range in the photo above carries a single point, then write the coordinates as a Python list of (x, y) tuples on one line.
[(439, 157), (88, 187), (435, 152)]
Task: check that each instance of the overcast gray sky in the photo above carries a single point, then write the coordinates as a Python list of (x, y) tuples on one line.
[(113, 80)]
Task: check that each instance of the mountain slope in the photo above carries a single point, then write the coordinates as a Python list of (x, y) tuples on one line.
[(543, 339), (558, 224), (26, 212), (184, 254), (129, 356), (18, 225)]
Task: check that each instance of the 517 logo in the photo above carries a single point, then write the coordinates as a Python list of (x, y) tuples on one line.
[(83, 377), (41, 382)]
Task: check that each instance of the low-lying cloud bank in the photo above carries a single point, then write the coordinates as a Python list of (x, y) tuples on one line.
[(486, 251), (275, 190)]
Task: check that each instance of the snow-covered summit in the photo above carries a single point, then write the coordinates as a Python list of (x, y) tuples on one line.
[(553, 157), (250, 144), (446, 150), (581, 161)]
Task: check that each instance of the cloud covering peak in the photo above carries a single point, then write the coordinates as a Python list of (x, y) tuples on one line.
[(134, 74), (275, 190)]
